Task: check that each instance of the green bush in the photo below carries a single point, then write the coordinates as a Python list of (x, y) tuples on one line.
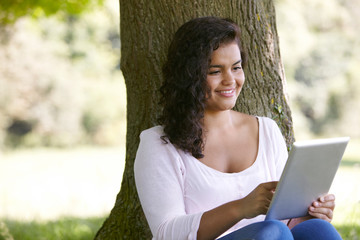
[(60, 76)]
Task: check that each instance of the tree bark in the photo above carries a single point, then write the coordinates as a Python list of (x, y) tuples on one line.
[(147, 28)]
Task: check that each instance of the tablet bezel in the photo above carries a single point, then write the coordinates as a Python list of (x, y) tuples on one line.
[(308, 174)]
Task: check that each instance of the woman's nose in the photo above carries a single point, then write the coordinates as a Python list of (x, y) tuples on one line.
[(228, 78)]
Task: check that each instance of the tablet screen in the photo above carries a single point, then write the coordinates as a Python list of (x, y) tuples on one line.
[(308, 174)]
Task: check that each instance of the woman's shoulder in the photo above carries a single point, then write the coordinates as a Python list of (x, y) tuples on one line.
[(153, 131), (256, 122), (268, 122), (154, 148), (243, 118), (154, 137)]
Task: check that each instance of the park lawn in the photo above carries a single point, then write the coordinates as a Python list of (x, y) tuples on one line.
[(347, 212), (103, 177), (72, 228), (65, 228), (84, 229), (347, 190)]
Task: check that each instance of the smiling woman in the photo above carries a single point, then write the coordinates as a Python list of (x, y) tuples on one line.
[(208, 171), (225, 77), (186, 76)]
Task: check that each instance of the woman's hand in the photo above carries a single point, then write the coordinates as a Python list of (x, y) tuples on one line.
[(258, 201), (323, 208), (216, 221)]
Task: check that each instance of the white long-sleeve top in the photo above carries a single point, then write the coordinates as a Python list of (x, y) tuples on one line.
[(175, 188)]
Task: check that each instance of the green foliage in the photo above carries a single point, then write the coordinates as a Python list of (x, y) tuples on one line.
[(11, 11), (67, 228), (60, 80), (318, 45), (61, 75)]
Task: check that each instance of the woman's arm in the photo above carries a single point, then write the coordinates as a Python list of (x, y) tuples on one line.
[(159, 177), (216, 221)]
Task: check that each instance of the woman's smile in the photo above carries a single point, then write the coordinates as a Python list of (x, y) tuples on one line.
[(226, 93), (225, 77)]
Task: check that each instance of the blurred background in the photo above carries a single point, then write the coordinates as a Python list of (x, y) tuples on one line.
[(63, 108)]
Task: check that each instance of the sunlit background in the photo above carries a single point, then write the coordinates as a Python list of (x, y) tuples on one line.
[(63, 110)]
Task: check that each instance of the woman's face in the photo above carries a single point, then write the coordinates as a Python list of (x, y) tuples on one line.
[(225, 77)]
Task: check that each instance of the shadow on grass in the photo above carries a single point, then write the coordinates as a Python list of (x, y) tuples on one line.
[(66, 228)]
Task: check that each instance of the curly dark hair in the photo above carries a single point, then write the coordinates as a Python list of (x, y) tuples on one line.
[(184, 90)]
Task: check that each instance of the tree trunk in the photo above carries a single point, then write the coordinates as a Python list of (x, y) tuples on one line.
[(146, 30)]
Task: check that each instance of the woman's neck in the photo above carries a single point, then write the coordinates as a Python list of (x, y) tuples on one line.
[(218, 120)]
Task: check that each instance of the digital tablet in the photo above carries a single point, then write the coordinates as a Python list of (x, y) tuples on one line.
[(308, 174)]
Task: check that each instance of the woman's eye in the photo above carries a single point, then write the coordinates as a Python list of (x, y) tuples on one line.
[(214, 72), (237, 68)]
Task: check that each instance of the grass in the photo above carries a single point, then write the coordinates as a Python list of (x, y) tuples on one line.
[(349, 232), (347, 190), (70, 182), (66, 228), (70, 228), (44, 185)]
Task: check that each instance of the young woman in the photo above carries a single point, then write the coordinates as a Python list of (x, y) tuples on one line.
[(208, 171)]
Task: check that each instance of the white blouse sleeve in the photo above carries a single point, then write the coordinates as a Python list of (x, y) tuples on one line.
[(159, 178)]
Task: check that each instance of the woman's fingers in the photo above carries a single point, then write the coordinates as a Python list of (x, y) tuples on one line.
[(258, 201), (322, 213), (318, 204), (323, 208), (269, 189), (270, 185), (327, 198)]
